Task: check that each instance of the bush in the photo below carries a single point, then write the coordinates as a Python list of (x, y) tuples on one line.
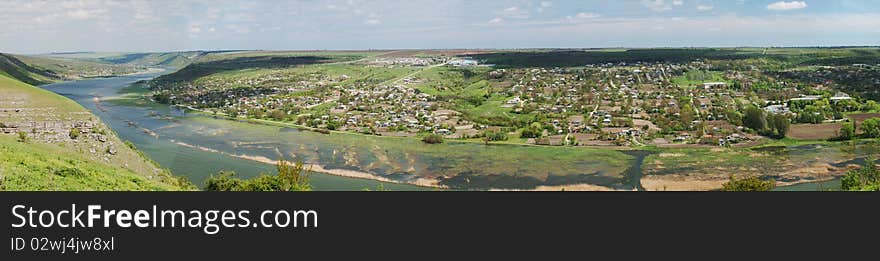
[(871, 128), (490, 136), (847, 131), (74, 133), (22, 137), (433, 139), (223, 182), (290, 178), (750, 183), (70, 172), (865, 178)]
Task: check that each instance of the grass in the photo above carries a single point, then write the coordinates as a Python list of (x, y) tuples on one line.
[(47, 167), (37, 98), (697, 78)]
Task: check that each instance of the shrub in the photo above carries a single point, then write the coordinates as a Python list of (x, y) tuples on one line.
[(750, 183), (70, 172), (223, 182), (847, 131), (74, 133), (490, 136), (293, 177), (22, 137), (865, 178), (871, 128), (433, 139)]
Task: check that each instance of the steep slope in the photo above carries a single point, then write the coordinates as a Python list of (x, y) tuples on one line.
[(67, 147), (12, 67)]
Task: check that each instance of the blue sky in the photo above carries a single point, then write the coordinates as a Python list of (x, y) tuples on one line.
[(110, 25)]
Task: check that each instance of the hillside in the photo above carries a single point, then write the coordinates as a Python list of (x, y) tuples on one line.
[(66, 147), (66, 69), (12, 67)]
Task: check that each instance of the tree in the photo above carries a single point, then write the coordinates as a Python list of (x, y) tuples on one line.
[(865, 178), (750, 183), (778, 125), (847, 131), (277, 115), (871, 128), (490, 136), (755, 118), (332, 125), (871, 106)]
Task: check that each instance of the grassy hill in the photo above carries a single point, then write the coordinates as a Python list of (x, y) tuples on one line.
[(53, 158), (11, 66)]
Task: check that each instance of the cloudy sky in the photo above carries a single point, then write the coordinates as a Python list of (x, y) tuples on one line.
[(33, 26)]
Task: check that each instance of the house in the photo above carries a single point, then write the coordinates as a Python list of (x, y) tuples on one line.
[(840, 96), (710, 85)]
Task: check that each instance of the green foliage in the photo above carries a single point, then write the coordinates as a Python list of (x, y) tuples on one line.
[(433, 139), (97, 130), (224, 181), (74, 133), (293, 177), (22, 137), (277, 115), (70, 172), (332, 125), (847, 131), (162, 97), (871, 106), (871, 128), (490, 136), (778, 125), (750, 183), (755, 118), (865, 178)]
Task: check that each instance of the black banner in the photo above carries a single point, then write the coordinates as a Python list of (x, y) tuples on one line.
[(410, 225)]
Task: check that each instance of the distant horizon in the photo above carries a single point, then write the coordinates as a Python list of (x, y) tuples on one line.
[(416, 49)]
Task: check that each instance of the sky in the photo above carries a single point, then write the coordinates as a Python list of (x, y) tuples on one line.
[(34, 26)]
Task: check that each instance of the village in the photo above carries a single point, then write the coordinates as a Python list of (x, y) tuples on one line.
[(698, 103)]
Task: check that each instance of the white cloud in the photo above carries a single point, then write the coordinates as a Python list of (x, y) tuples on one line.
[(703, 8), (514, 12), (544, 5), (785, 6), (81, 14), (497, 20), (373, 21), (661, 5)]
